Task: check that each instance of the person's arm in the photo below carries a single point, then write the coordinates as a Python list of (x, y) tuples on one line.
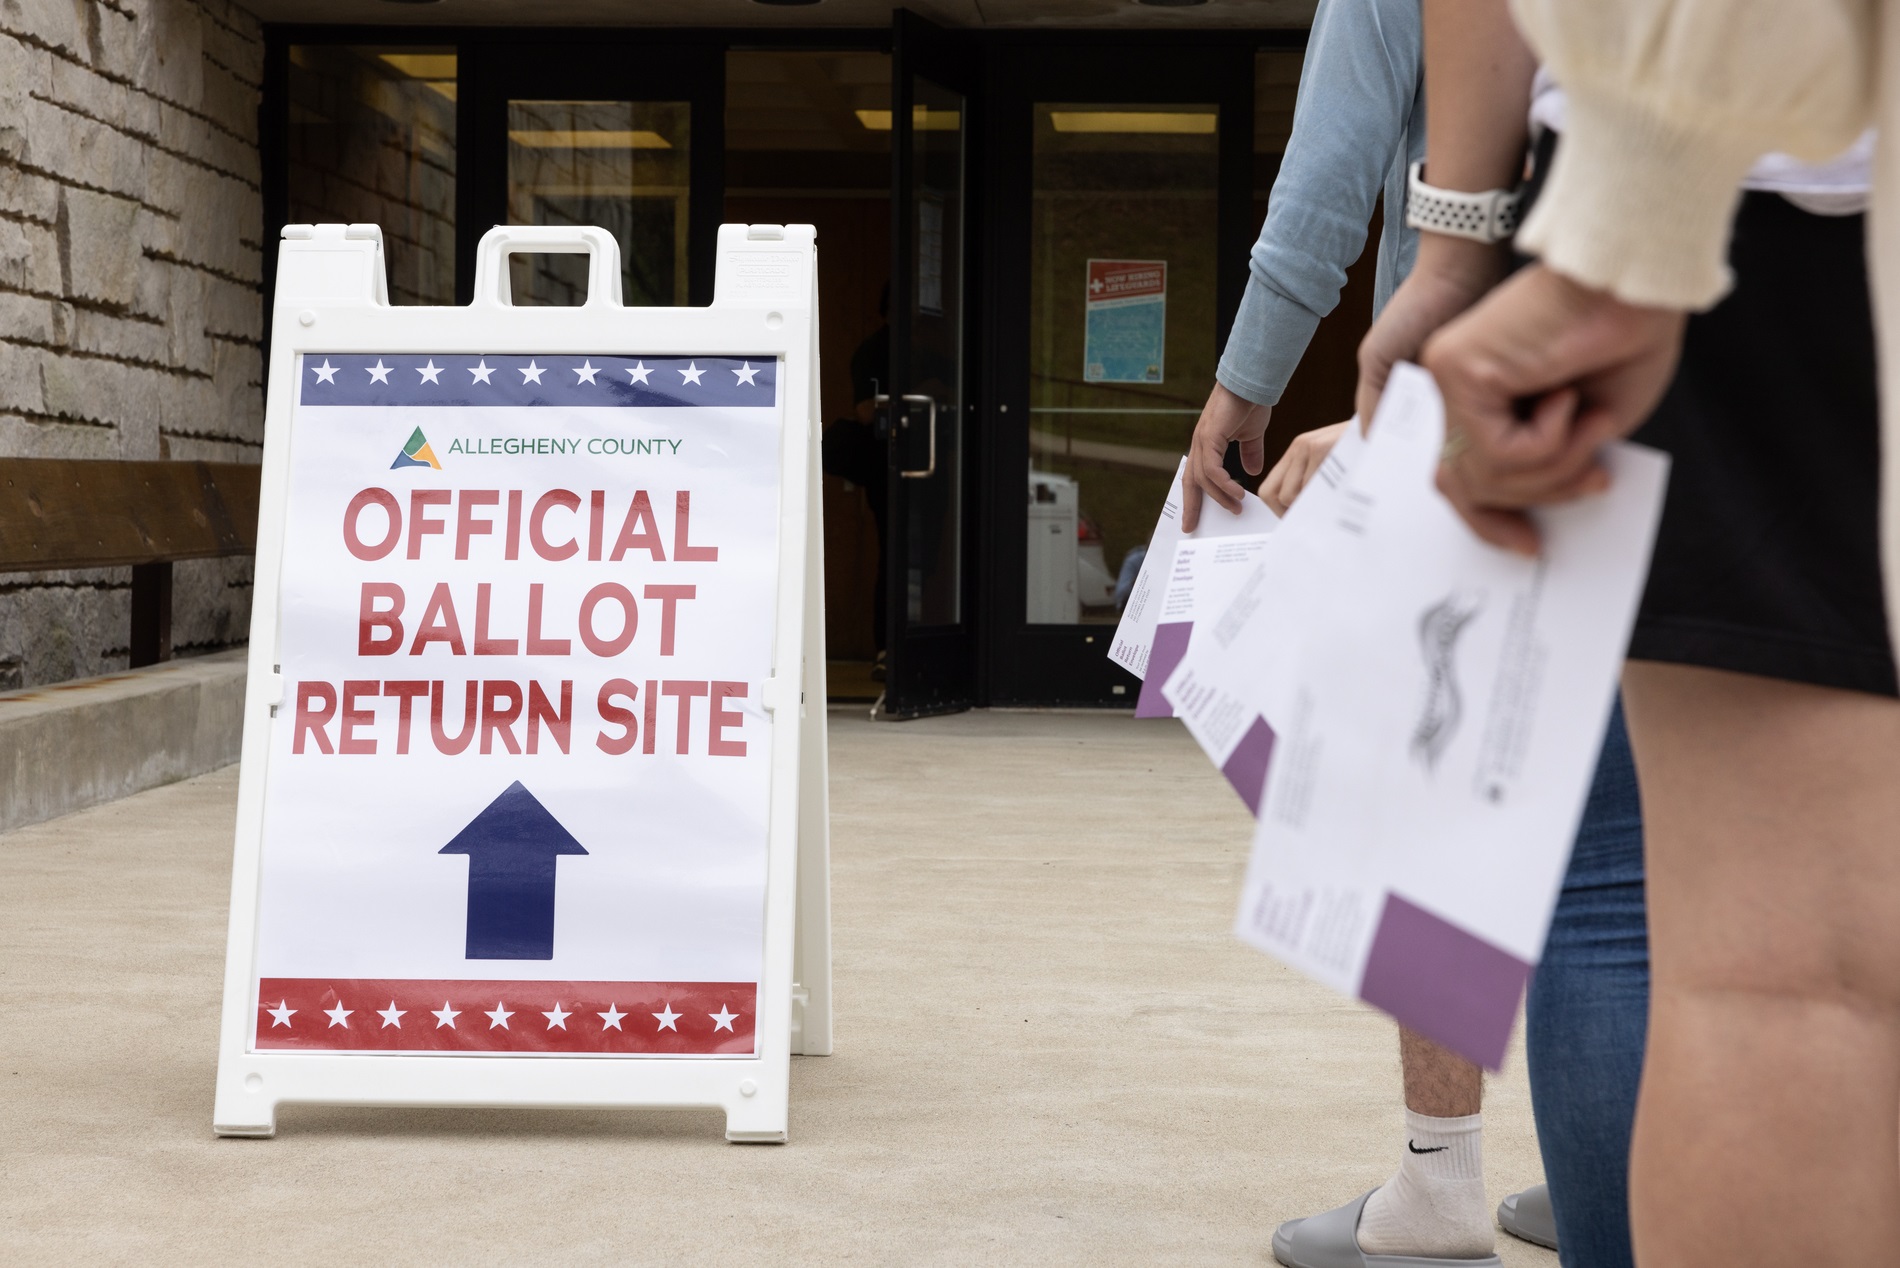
[(1670, 102), (1356, 93), (1477, 103)]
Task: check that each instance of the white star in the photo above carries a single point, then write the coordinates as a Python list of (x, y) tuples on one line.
[(326, 373), (499, 1017), (481, 370), (392, 1016), (586, 373), (379, 373), (281, 1015), (532, 374), (611, 1017), (446, 1015), (745, 373), (691, 374), (431, 373), (722, 1020), (639, 372), (339, 1016), (667, 1018), (557, 1017)]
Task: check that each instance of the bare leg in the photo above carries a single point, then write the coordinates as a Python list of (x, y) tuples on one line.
[(1765, 1130), (1438, 1081), (1434, 1203)]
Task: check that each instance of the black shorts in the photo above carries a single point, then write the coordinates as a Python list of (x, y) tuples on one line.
[(1767, 561)]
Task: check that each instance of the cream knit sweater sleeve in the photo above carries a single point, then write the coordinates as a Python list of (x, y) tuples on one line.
[(1671, 101)]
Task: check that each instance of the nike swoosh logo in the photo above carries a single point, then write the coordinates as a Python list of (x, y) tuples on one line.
[(1436, 1149)]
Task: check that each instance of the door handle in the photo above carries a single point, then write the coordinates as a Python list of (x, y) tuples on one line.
[(930, 468)]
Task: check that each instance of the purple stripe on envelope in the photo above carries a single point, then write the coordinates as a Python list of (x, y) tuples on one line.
[(1448, 985), (1246, 767), (1169, 646)]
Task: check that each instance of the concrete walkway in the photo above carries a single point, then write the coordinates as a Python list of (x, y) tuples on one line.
[(1049, 1050)]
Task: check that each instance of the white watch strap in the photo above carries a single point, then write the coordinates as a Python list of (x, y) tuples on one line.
[(1487, 217)]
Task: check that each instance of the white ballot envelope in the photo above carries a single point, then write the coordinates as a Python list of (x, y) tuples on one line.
[(1134, 636), (1207, 573), (1216, 684), (1438, 707)]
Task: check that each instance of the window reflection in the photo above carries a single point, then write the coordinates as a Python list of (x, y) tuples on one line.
[(372, 140), (1122, 346), (621, 165)]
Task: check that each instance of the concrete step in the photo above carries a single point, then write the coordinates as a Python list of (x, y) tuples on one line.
[(78, 744)]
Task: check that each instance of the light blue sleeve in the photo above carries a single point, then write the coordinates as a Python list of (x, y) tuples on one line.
[(1360, 94)]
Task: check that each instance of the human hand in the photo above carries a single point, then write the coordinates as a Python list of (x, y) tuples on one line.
[(1296, 466), (1536, 379), (1450, 276), (1224, 419)]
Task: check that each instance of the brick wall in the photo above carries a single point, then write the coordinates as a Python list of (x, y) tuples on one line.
[(130, 261)]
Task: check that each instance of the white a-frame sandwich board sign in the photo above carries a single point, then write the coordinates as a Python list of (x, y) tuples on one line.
[(533, 808)]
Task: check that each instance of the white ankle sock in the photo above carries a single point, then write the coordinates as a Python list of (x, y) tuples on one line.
[(1435, 1204)]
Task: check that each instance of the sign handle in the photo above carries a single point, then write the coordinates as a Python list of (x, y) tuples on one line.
[(492, 289)]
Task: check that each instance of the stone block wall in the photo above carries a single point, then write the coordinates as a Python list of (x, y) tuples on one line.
[(130, 265)]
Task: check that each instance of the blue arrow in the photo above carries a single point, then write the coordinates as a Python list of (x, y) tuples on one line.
[(511, 848)]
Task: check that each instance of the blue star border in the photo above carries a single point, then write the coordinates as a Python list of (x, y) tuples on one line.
[(506, 379)]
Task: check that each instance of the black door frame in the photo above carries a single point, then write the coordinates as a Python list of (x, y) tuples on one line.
[(562, 67), (1015, 664), (1068, 664), (933, 669), (648, 62)]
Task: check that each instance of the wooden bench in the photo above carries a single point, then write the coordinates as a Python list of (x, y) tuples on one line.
[(58, 514)]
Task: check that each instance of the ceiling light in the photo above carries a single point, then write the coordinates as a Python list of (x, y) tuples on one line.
[(422, 65), (922, 118), (1179, 122), (1168, 4), (572, 139)]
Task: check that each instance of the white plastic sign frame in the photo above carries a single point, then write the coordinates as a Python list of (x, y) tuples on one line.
[(332, 297)]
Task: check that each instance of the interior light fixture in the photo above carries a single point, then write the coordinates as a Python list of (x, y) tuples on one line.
[(1176, 122), (422, 65), (575, 139), (435, 70), (922, 118), (1171, 4)]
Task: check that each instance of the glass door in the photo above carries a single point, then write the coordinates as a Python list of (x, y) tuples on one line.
[(1124, 218), (930, 665), (1120, 179), (627, 139)]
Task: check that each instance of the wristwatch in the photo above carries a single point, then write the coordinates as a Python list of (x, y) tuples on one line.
[(1490, 216)]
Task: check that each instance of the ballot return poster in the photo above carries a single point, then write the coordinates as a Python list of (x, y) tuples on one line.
[(518, 785)]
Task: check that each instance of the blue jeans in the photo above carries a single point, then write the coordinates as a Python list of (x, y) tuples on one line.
[(1587, 1015)]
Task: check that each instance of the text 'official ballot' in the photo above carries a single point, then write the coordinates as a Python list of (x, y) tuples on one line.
[(522, 655), (1438, 707)]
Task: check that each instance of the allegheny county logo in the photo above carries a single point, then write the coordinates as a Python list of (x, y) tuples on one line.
[(416, 453)]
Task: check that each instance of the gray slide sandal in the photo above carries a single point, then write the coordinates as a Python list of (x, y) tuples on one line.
[(1528, 1215), (1330, 1241)]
